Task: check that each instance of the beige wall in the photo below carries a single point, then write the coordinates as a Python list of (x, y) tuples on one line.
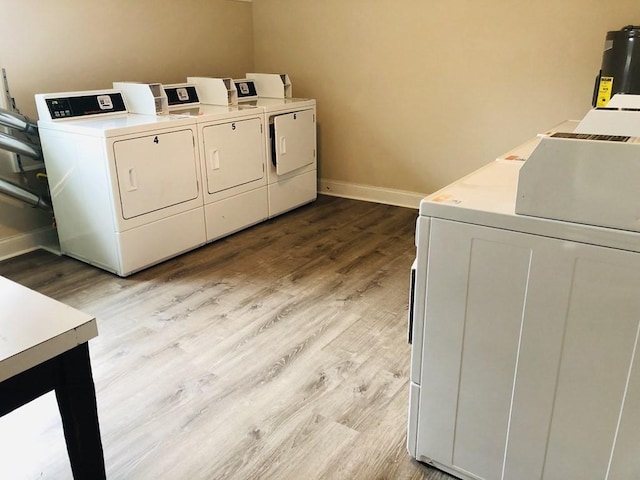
[(413, 94), (69, 45), (66, 45)]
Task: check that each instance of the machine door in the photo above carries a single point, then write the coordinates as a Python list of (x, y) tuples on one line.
[(293, 141), (233, 153), (155, 171)]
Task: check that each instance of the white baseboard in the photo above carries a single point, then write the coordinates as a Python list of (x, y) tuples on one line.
[(368, 193), (45, 238)]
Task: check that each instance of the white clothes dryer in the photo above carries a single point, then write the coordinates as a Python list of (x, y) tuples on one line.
[(232, 158), (126, 188), (290, 144)]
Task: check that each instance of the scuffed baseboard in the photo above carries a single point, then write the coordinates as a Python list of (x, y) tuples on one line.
[(45, 238), (368, 193)]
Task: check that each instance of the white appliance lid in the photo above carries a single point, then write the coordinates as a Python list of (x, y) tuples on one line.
[(487, 197)]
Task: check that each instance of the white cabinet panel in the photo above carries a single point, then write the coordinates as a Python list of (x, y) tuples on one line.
[(496, 291), (625, 462), (294, 140), (155, 171), (600, 336), (528, 345), (233, 154)]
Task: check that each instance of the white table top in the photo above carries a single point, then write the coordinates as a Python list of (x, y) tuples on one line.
[(35, 328)]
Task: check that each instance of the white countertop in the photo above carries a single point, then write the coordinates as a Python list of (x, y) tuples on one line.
[(35, 328), (487, 197)]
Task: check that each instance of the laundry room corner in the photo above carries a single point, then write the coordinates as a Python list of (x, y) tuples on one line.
[(413, 95)]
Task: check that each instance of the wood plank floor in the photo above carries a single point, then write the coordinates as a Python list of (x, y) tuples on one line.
[(277, 353)]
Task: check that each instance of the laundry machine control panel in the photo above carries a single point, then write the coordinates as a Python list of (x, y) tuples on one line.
[(58, 107), (246, 89), (181, 95)]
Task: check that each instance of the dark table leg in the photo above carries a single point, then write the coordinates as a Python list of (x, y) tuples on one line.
[(76, 396), (69, 374)]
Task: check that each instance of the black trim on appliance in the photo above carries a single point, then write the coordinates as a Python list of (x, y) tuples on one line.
[(85, 105), (181, 95)]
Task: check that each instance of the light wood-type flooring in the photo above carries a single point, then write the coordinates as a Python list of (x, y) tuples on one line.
[(276, 353)]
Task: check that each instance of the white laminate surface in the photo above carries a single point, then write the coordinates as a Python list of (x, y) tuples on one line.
[(35, 328), (488, 197)]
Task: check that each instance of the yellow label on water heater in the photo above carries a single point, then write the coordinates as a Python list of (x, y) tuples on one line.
[(604, 91)]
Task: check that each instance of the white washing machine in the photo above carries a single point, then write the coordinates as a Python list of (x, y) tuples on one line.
[(125, 187), (525, 329), (290, 140), (232, 153)]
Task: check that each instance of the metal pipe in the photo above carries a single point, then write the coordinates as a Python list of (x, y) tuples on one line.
[(23, 194), (22, 147), (18, 121)]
